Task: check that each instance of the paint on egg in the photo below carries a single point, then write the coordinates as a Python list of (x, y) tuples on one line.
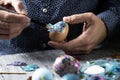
[(59, 31)]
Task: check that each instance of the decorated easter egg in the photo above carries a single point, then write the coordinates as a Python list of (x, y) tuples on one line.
[(70, 77), (66, 64), (59, 31), (42, 74)]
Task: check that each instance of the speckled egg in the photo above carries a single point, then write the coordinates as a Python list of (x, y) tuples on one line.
[(42, 74), (66, 64), (70, 77)]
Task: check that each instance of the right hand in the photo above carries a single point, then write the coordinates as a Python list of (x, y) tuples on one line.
[(94, 32), (11, 24)]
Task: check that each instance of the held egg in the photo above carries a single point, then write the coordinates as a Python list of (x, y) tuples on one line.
[(42, 74), (59, 31)]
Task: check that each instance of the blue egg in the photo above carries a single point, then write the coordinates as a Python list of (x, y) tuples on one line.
[(70, 77), (42, 74)]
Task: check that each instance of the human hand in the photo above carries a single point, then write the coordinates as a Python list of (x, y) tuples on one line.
[(11, 24), (16, 5), (94, 32)]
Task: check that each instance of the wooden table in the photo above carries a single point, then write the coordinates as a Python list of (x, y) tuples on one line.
[(42, 59)]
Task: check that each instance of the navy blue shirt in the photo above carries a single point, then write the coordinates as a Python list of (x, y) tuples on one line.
[(35, 37)]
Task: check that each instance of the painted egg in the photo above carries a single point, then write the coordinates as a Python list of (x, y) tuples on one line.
[(70, 77), (59, 31), (66, 64), (42, 74)]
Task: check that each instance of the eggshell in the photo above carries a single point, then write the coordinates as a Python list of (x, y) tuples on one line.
[(42, 74)]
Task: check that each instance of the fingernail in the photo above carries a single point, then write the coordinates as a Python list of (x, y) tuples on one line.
[(28, 24), (66, 19), (24, 12), (49, 43), (29, 19)]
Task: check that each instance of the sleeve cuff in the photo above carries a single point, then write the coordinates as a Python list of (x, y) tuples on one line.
[(111, 21)]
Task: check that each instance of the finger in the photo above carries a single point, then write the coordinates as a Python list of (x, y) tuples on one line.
[(3, 31), (76, 45), (65, 45), (11, 28), (8, 26), (11, 17), (19, 7), (58, 45), (1, 2), (9, 32), (15, 34), (77, 42), (9, 36), (16, 5), (85, 27), (4, 25), (16, 28), (78, 18)]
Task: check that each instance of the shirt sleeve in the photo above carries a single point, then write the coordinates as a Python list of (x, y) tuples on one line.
[(111, 17)]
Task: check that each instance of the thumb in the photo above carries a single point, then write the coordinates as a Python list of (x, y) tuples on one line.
[(78, 18), (19, 7)]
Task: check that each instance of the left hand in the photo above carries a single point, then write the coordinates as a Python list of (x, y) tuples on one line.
[(94, 32), (12, 24)]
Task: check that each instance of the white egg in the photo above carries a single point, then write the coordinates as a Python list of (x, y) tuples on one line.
[(42, 74), (95, 69)]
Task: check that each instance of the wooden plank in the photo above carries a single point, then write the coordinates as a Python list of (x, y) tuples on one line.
[(42, 59)]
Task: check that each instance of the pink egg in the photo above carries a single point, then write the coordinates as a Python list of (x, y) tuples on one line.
[(66, 64)]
